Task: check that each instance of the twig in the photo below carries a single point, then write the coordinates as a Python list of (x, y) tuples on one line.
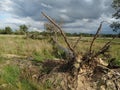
[(62, 33)]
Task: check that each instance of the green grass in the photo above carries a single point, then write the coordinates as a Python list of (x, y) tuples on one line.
[(10, 76), (27, 85)]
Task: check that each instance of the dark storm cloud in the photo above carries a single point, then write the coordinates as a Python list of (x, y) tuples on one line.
[(75, 9), (71, 12)]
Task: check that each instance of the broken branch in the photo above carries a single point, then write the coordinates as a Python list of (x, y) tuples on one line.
[(95, 37), (62, 33), (104, 48)]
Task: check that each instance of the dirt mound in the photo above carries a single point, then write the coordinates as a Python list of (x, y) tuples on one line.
[(100, 78)]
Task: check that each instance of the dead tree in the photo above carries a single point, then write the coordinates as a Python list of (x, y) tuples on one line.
[(75, 63), (70, 48)]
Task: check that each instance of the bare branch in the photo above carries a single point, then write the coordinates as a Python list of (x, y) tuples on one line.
[(96, 35), (62, 33), (104, 48)]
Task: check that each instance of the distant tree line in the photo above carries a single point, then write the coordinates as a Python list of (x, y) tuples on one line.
[(91, 35), (7, 30), (23, 30)]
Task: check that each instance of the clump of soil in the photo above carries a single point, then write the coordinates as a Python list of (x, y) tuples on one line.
[(100, 78)]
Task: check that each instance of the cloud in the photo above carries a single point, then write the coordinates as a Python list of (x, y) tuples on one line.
[(77, 15), (45, 5)]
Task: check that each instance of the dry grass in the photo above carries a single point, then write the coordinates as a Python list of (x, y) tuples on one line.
[(84, 45), (17, 45)]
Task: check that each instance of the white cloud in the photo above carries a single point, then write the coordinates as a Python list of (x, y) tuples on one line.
[(46, 5), (89, 1), (63, 11), (64, 17), (6, 5), (15, 21), (36, 29)]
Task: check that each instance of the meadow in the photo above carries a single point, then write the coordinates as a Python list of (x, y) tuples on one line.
[(17, 47)]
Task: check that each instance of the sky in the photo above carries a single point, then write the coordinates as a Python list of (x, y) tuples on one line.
[(76, 15)]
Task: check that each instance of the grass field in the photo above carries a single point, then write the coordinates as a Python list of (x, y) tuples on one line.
[(85, 43), (19, 47), (16, 45)]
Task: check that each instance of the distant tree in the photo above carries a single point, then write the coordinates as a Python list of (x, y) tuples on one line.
[(7, 30), (2, 31), (116, 25), (23, 28), (19, 32), (68, 34)]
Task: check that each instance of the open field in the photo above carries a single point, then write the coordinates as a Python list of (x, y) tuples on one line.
[(17, 47)]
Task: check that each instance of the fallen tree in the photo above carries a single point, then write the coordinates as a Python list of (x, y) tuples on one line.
[(81, 68)]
